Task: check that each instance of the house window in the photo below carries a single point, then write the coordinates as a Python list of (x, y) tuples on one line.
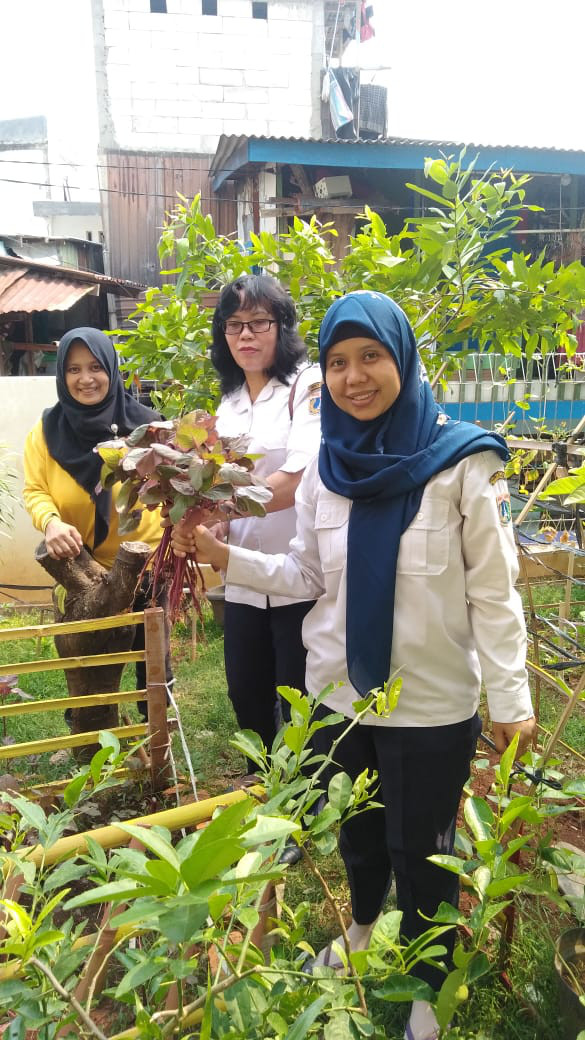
[(158, 6), (209, 7), (259, 10)]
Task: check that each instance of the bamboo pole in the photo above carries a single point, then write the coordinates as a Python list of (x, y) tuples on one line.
[(55, 664), (64, 628), (156, 694), (60, 703), (565, 715), (38, 747), (112, 837)]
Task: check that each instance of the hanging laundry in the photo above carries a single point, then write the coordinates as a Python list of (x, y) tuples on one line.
[(366, 28), (341, 113)]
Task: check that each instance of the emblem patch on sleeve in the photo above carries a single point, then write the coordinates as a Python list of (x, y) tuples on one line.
[(504, 508), (315, 398), (498, 475)]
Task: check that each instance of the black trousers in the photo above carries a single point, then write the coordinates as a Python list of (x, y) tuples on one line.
[(421, 772), (263, 649)]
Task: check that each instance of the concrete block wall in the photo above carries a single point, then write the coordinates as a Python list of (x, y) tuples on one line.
[(179, 80)]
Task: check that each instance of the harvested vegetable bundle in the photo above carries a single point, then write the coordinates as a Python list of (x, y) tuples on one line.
[(184, 465)]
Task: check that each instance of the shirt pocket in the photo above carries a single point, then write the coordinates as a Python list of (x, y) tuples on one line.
[(424, 546), (331, 530)]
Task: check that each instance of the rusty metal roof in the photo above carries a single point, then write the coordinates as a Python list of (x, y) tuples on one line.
[(26, 286)]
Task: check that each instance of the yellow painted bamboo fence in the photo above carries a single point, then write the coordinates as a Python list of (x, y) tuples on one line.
[(156, 728)]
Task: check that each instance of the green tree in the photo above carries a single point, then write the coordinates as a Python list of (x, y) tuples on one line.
[(450, 268)]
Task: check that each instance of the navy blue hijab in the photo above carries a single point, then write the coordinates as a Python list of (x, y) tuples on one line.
[(383, 465), (72, 429)]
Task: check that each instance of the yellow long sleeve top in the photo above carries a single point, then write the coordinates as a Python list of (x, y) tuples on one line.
[(50, 491)]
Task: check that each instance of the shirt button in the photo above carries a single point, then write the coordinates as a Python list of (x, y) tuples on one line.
[(420, 516), (323, 516)]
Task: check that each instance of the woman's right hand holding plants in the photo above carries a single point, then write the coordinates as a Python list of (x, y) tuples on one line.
[(195, 538)]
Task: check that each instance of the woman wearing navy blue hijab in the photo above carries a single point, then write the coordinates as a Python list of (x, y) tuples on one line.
[(404, 538)]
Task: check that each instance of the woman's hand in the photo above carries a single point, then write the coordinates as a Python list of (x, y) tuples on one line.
[(200, 541), (63, 541), (504, 733)]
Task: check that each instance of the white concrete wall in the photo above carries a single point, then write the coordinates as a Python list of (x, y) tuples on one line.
[(177, 81), (22, 400)]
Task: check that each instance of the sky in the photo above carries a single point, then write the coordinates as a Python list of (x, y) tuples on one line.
[(502, 71), (497, 72)]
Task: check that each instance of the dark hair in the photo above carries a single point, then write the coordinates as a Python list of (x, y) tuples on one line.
[(246, 292)]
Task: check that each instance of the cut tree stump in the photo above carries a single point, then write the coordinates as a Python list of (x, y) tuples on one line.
[(92, 592)]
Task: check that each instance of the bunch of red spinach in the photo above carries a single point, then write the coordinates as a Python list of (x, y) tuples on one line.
[(184, 466)]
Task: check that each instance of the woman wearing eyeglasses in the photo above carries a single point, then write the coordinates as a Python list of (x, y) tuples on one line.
[(271, 395)]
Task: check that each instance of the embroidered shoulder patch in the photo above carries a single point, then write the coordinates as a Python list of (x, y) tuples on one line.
[(498, 475), (313, 387), (504, 508), (315, 399)]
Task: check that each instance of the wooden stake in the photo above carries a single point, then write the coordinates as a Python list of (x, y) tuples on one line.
[(156, 695)]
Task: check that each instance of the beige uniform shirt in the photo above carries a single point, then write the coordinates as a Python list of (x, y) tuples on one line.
[(457, 615)]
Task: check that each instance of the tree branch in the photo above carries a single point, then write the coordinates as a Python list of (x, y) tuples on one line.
[(77, 1007)]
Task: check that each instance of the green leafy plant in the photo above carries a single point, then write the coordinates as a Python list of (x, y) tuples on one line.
[(184, 915), (451, 268)]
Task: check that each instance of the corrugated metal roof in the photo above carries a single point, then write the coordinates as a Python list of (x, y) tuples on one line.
[(27, 287), (232, 140), (26, 291), (235, 154)]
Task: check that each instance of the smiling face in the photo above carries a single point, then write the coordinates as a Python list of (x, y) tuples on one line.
[(362, 377), (86, 380)]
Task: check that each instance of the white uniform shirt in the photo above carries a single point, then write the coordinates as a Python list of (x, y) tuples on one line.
[(284, 444), (457, 616)]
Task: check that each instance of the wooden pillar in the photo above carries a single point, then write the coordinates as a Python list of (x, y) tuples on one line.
[(156, 694)]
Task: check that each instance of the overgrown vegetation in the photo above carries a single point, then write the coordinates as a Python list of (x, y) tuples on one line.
[(273, 1001), (453, 269)]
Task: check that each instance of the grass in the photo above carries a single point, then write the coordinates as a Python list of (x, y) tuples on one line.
[(208, 723)]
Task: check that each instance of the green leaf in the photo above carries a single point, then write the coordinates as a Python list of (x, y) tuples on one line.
[(180, 923), (109, 740), (250, 744), (113, 891), (501, 886), (179, 507), (31, 813), (340, 791), (402, 988), (303, 1023), (249, 917), (74, 789), (270, 828), (479, 817), (452, 863), (155, 843), (210, 860), (16, 1029), (140, 974)]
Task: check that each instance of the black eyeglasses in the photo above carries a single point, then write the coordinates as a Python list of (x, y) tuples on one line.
[(234, 328)]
